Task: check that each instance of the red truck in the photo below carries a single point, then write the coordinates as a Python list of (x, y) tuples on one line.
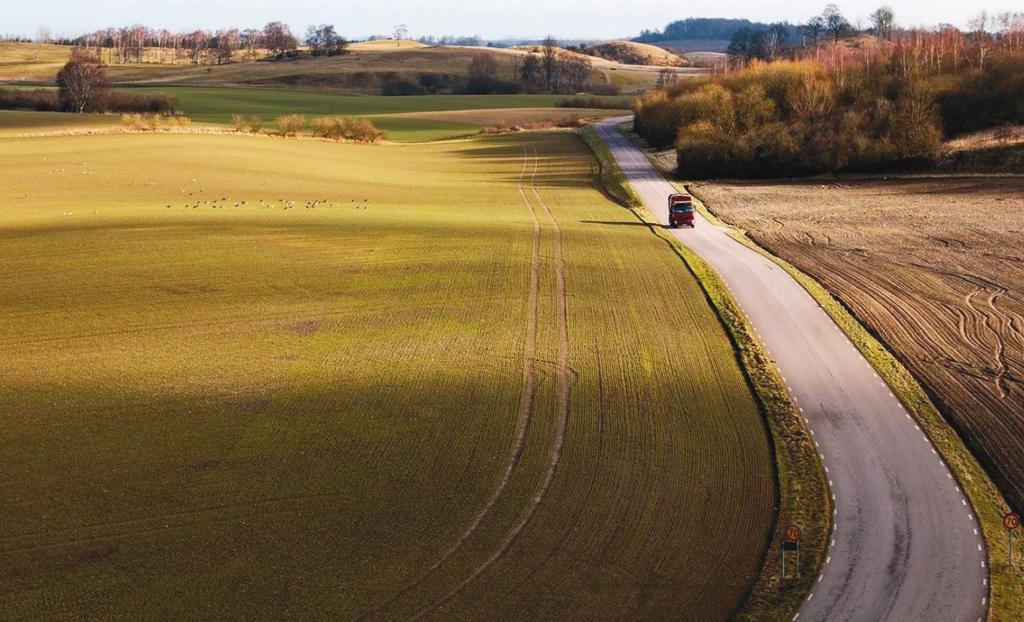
[(680, 210)]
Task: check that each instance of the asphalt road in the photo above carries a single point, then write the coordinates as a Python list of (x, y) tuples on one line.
[(906, 544)]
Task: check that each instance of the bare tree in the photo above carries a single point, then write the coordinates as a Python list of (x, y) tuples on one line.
[(323, 39), (81, 81), (43, 34), (981, 37), (401, 30), (575, 69), (813, 30), (278, 37), (835, 24), (227, 42), (549, 61), (883, 21), (530, 71), (250, 39), (772, 39), (483, 67)]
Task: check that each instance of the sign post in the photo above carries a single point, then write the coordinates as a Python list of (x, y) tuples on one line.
[(1012, 522), (791, 537)]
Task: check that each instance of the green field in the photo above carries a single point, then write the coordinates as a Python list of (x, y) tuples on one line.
[(405, 119), (237, 411), (217, 105)]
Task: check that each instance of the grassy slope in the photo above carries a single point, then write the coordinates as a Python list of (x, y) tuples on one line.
[(246, 411), (31, 61)]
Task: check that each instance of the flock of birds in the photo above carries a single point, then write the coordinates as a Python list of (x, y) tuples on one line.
[(286, 204)]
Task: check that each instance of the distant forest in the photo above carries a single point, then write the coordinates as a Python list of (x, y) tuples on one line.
[(703, 28)]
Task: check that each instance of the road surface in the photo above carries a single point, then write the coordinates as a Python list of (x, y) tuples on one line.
[(906, 544)]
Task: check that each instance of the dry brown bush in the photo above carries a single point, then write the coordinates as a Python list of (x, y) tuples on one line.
[(290, 124)]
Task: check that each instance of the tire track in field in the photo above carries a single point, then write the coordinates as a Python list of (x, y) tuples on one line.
[(562, 380), (526, 401)]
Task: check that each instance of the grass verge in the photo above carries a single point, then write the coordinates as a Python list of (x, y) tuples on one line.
[(802, 494), (1007, 584)]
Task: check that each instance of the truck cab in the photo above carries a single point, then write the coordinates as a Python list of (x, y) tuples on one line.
[(680, 210)]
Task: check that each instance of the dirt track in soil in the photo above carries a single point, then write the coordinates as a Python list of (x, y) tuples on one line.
[(933, 266)]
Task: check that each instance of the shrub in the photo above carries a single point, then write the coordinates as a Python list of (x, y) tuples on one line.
[(123, 101), (400, 87), (239, 123), (132, 121), (290, 124), (255, 123), (153, 122), (106, 101), (588, 102), (340, 128), (23, 99)]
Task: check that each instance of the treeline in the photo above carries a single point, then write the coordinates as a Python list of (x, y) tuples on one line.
[(473, 41), (840, 108), (138, 43), (697, 28), (544, 69), (48, 100)]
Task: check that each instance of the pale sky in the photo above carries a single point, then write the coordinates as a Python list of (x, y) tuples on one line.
[(491, 19)]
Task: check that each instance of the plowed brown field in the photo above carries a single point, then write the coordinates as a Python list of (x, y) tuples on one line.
[(935, 267)]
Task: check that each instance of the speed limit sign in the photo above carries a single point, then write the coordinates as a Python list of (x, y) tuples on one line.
[(791, 537), (1011, 521)]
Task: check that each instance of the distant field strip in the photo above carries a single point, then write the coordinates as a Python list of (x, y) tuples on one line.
[(251, 378)]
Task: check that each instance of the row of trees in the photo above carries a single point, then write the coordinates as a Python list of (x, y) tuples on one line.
[(137, 43), (831, 26), (790, 118), (838, 108), (546, 69), (551, 69)]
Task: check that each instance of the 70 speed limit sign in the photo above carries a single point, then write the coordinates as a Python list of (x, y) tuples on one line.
[(1011, 521)]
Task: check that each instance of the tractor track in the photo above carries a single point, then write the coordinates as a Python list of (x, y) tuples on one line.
[(563, 387), (526, 402)]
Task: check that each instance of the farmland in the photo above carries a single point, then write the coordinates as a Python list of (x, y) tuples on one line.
[(266, 378), (932, 266), (405, 119)]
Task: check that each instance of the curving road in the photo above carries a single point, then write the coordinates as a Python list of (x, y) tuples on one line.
[(905, 545)]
